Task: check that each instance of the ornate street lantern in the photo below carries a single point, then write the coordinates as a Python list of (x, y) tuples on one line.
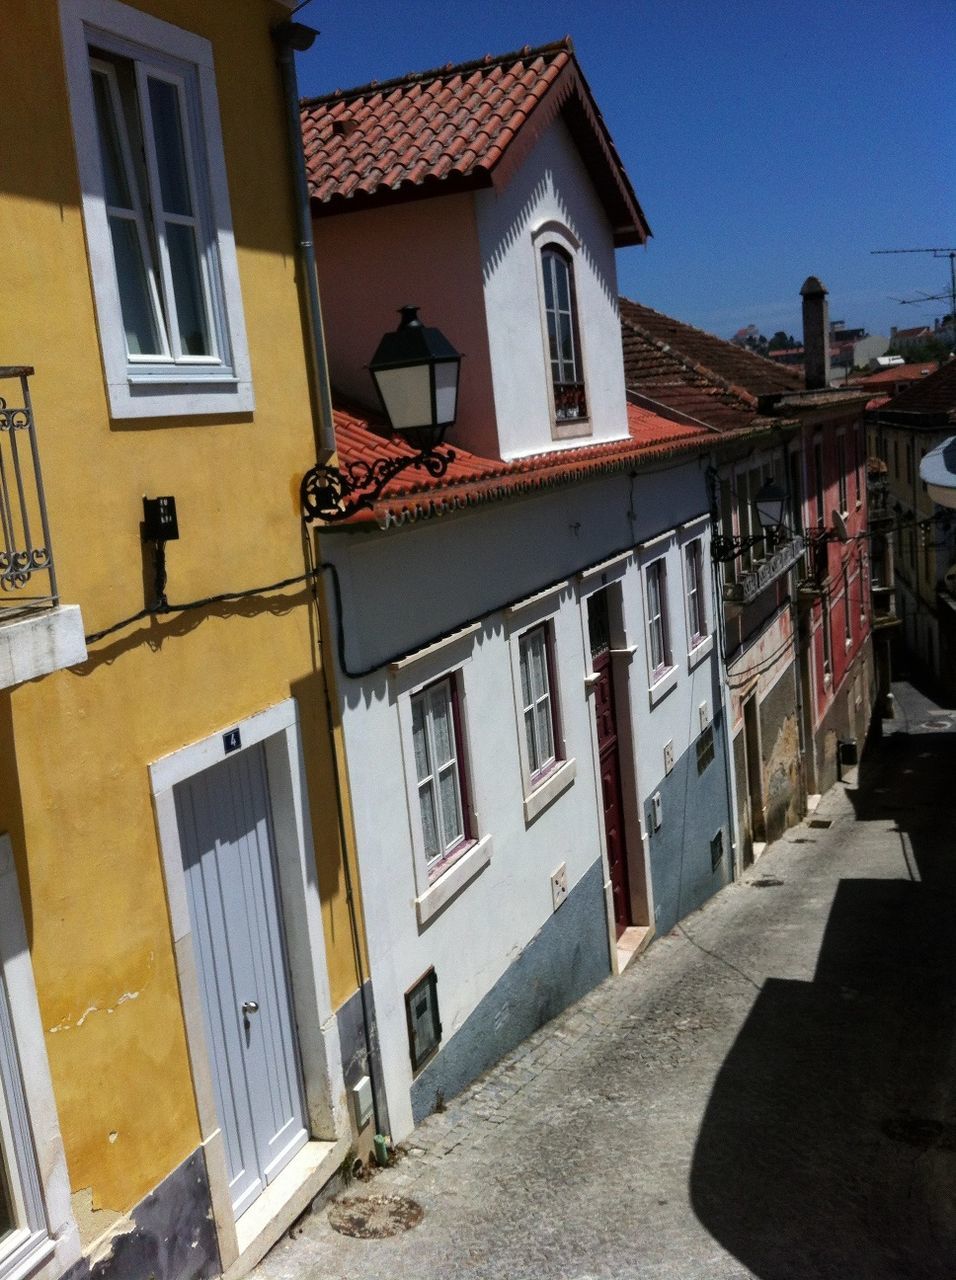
[(770, 502), (415, 370)]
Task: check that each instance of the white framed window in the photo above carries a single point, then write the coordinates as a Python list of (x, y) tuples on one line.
[(658, 630), (36, 1221), (695, 593), (537, 702), (156, 212), (563, 337), (439, 771), (842, 473)]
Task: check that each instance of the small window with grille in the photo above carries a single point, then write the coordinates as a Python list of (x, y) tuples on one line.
[(424, 1024)]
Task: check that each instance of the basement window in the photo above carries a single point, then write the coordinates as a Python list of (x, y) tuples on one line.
[(717, 850), (421, 1014), (705, 748)]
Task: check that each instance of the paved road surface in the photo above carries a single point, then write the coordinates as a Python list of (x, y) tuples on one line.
[(768, 1092)]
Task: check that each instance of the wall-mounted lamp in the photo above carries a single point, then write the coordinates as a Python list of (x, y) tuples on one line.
[(770, 502), (415, 370)]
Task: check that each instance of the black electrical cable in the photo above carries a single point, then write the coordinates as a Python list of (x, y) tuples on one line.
[(164, 607)]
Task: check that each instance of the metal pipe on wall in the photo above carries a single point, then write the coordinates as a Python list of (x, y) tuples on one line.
[(290, 37)]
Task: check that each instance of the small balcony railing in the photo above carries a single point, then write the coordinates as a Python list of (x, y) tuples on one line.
[(747, 586), (569, 401), (813, 575), (27, 577)]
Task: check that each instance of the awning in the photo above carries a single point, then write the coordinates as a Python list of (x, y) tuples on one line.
[(938, 472)]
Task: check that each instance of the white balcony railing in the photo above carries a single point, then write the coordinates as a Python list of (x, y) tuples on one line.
[(750, 584)]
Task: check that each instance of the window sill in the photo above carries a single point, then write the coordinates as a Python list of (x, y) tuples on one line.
[(549, 788), (699, 652), (662, 685), (190, 397), (568, 428), (459, 873)]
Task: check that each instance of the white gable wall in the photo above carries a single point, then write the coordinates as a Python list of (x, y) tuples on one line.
[(549, 197)]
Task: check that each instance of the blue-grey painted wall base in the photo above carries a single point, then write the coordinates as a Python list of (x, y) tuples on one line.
[(559, 965), (694, 808), (355, 1053), (173, 1235)]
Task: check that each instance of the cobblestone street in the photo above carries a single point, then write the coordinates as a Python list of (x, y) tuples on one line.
[(767, 1092)]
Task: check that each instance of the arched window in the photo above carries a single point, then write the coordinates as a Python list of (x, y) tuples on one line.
[(564, 343)]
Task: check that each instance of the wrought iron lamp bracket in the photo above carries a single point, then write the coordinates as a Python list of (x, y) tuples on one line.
[(724, 549), (337, 493)]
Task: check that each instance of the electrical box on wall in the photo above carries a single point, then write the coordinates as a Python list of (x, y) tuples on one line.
[(704, 710), (362, 1102), (159, 520), (559, 885), (657, 816), (668, 756)]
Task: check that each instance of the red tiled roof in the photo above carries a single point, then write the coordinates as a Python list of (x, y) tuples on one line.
[(726, 370), (694, 373), (933, 396), (471, 480), (452, 128), (899, 373), (917, 332)]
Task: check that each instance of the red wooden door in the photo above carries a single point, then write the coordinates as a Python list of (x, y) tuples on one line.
[(610, 767)]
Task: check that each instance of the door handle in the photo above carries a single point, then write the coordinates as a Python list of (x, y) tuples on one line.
[(250, 1006)]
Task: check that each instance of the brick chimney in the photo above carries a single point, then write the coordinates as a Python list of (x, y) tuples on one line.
[(816, 334)]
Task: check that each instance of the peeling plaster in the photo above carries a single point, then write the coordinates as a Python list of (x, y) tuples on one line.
[(69, 1022), (97, 1224), (170, 1235)]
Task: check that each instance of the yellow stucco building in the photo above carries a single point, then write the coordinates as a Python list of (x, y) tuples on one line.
[(178, 1015)]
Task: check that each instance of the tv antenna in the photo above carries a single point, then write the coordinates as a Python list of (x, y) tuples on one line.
[(949, 296)]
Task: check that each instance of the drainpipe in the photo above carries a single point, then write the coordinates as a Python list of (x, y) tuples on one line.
[(289, 38)]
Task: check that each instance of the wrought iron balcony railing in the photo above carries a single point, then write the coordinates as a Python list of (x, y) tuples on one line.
[(569, 401), (27, 577), (812, 575)]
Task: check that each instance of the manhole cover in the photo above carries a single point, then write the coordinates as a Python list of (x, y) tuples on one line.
[(920, 1131), (765, 882), (374, 1217)]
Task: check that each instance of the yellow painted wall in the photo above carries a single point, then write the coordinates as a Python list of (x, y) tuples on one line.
[(77, 799)]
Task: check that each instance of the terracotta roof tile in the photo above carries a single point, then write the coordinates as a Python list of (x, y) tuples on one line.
[(715, 360), (898, 373), (470, 479), (382, 142), (933, 396)]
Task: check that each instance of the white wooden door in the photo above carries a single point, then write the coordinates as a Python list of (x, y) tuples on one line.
[(225, 826)]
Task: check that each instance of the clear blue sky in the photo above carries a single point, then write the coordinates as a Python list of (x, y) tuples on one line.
[(766, 141)]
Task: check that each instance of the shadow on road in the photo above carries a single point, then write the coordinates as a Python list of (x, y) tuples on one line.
[(828, 1147)]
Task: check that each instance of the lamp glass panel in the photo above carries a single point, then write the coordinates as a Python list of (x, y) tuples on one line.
[(770, 508), (407, 396), (446, 392)]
